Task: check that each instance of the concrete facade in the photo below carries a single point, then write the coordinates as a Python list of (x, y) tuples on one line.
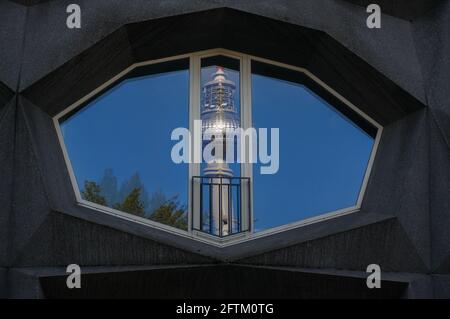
[(405, 216)]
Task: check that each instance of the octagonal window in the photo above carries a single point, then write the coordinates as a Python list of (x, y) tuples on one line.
[(154, 144)]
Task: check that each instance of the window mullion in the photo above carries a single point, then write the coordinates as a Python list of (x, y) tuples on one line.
[(246, 122), (194, 114)]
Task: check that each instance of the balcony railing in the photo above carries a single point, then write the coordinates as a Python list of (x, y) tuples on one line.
[(221, 205)]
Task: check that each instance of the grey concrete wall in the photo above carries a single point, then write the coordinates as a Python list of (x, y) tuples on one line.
[(432, 38), (400, 179), (13, 19), (3, 283), (7, 128)]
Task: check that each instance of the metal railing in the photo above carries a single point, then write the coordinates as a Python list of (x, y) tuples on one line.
[(221, 205)]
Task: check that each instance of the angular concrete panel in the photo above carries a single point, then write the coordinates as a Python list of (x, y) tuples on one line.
[(49, 155), (399, 181), (432, 37), (384, 243), (23, 285), (12, 25), (50, 44), (7, 136), (62, 240), (81, 75), (30, 204), (439, 199), (6, 94)]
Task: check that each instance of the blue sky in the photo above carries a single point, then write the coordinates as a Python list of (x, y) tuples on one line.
[(323, 156), (128, 129)]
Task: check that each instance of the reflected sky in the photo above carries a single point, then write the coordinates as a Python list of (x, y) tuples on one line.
[(323, 156), (128, 129)]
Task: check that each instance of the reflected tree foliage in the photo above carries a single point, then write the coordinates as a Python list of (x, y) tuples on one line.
[(132, 204), (132, 197), (92, 193)]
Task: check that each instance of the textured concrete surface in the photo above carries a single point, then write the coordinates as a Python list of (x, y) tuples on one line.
[(30, 200), (62, 240), (7, 123), (12, 26), (440, 201), (432, 37), (6, 95), (399, 184), (383, 243), (420, 287), (23, 285), (45, 28), (3, 283)]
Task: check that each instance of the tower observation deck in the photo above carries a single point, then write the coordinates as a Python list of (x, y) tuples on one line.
[(219, 115)]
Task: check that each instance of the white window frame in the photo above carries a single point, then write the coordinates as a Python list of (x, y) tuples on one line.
[(194, 169)]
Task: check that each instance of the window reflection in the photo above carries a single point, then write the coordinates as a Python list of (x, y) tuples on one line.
[(220, 113), (119, 145), (323, 155)]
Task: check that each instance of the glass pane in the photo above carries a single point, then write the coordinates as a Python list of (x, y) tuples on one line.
[(220, 113), (205, 220), (323, 156), (220, 100), (119, 145)]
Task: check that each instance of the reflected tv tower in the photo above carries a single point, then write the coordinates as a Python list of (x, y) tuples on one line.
[(219, 114)]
